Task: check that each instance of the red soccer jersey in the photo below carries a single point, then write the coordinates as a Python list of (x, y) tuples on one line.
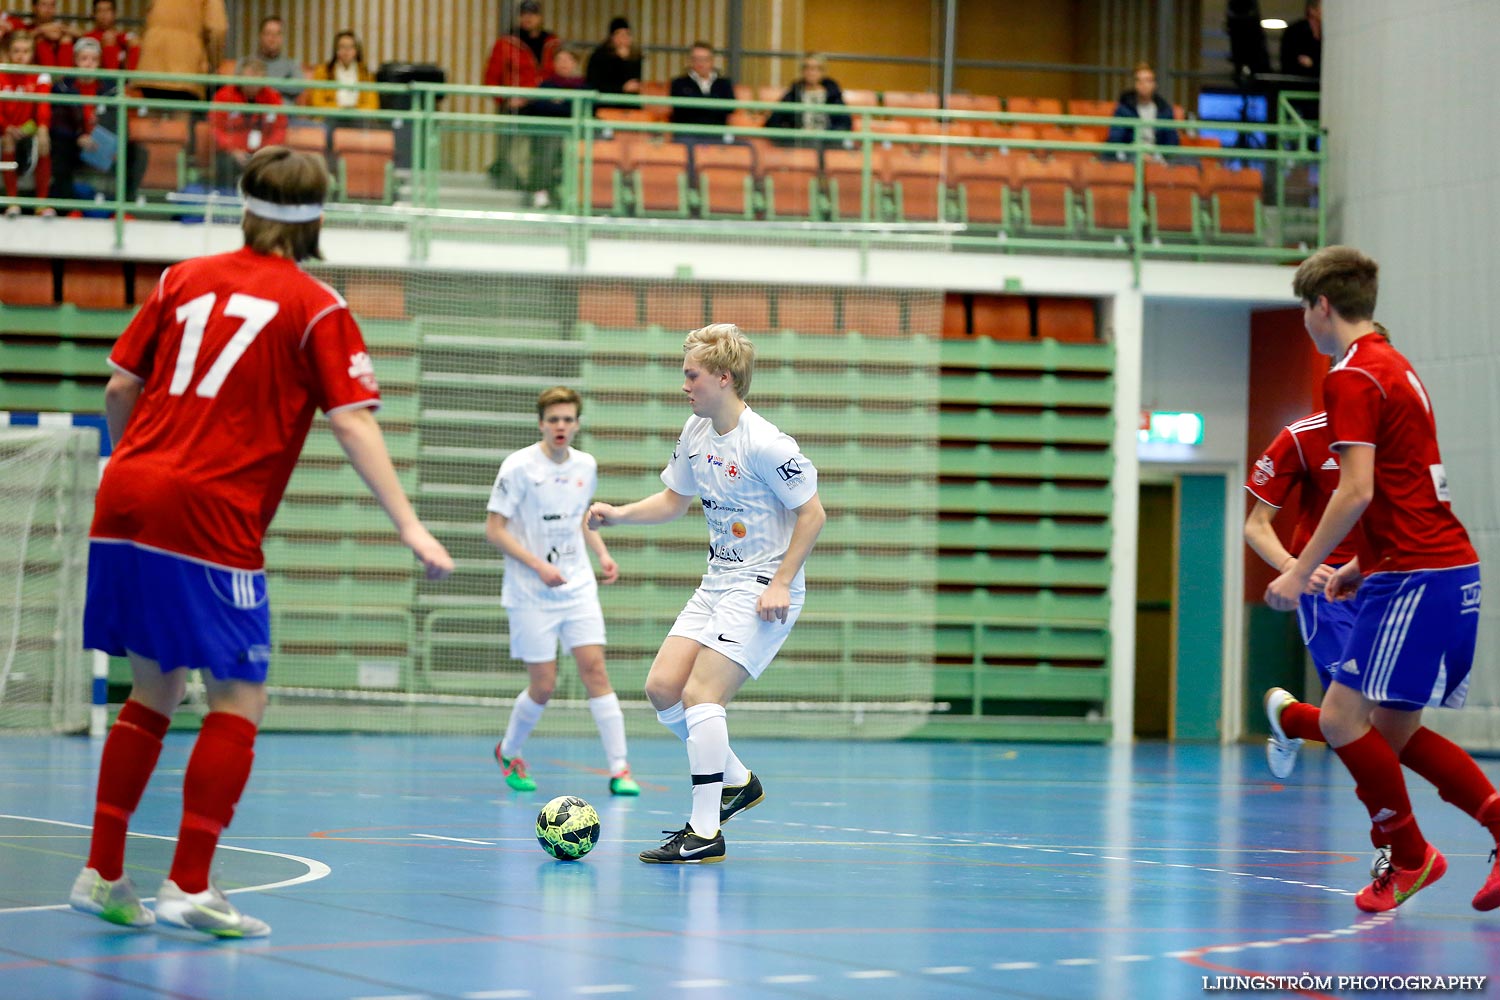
[(1374, 398), (16, 114), (235, 352), (1300, 457)]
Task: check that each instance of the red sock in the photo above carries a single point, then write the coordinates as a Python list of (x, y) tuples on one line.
[(1380, 786), (12, 182), (130, 754), (1455, 775), (1299, 720), (42, 175), (216, 775)]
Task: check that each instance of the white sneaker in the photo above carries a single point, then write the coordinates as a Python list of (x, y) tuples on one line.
[(540, 199), (208, 911), (113, 901), (1281, 750)]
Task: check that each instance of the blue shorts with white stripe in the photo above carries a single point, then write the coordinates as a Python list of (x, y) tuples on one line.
[(1414, 637), (177, 611)]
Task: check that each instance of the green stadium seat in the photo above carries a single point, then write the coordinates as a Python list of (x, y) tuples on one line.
[(1040, 570), (1042, 499), (984, 388), (1045, 426), (1040, 534), (1038, 355), (981, 461)]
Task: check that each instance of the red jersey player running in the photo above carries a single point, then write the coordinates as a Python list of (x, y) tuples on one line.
[(1414, 634), (215, 385)]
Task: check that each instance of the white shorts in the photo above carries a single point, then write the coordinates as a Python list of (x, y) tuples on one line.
[(536, 632), (726, 621)]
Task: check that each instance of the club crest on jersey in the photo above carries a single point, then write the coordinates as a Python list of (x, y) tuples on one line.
[(362, 369), (1265, 470)]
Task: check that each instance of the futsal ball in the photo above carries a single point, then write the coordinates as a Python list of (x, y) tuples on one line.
[(567, 828)]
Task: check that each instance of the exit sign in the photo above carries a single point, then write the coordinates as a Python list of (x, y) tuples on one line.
[(1168, 427)]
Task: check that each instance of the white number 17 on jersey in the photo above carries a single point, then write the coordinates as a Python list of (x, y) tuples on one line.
[(195, 316)]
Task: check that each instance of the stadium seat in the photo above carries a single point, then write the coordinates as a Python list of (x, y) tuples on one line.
[(365, 163), (165, 138), (912, 99), (918, 184), (611, 306), (610, 161), (1234, 199), (308, 138), (983, 187), (934, 127), (872, 314), (789, 180), (955, 317), (1091, 108), (25, 281), (657, 88), (973, 102), (844, 171), (1046, 188), (676, 307), (201, 156), (726, 188), (1063, 134), (1006, 133), (748, 307), (1033, 105), (1172, 199), (372, 295), (1066, 319), (1002, 317), (1108, 195), (660, 178), (860, 98), (93, 284), (805, 310)]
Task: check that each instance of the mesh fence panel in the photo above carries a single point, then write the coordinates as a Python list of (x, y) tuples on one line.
[(47, 479), (362, 643)]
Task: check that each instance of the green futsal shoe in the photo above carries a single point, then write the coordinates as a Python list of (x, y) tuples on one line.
[(514, 769), (623, 784)]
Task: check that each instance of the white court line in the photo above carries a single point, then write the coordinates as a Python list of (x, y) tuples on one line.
[(498, 995), (457, 840), (315, 869)]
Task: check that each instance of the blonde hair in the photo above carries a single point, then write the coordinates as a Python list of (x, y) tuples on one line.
[(1349, 279), (722, 348), (555, 395)]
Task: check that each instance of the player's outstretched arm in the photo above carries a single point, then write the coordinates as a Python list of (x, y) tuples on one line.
[(497, 532), (359, 435), (120, 395), (658, 508), (776, 599)]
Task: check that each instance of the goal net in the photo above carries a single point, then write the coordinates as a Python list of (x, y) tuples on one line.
[(47, 481), (362, 643)]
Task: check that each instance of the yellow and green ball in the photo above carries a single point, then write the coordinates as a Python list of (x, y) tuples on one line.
[(567, 828)]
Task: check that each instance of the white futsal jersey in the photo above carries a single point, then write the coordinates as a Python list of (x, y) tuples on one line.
[(544, 503), (750, 480)]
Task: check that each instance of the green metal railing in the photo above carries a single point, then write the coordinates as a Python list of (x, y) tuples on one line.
[(432, 204)]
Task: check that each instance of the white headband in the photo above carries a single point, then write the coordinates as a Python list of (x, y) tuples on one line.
[(283, 213)]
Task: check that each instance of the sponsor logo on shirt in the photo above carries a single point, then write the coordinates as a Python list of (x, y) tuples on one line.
[(1331, 465), (1265, 470), (709, 503), (362, 369), (737, 529), (725, 553), (789, 470), (552, 517), (714, 459)]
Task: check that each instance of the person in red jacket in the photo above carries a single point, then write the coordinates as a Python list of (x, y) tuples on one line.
[(51, 39), (24, 137), (238, 134), (118, 48), (523, 58)]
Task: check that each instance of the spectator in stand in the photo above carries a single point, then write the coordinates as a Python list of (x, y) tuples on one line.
[(117, 47), (239, 134), (1302, 44), (1145, 103), (182, 36), (51, 40), (523, 58), (345, 68), (702, 80), (272, 53), (615, 66), (813, 88), (546, 150), (23, 124), (89, 132)]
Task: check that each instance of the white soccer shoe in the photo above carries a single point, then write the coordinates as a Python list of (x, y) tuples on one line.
[(209, 912), (114, 901), (1281, 750)]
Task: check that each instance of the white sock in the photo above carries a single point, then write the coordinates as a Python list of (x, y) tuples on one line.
[(735, 773), (523, 716), (707, 748), (673, 719), (611, 723)]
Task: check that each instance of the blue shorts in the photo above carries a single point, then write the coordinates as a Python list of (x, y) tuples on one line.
[(1414, 637), (1326, 626), (176, 611)]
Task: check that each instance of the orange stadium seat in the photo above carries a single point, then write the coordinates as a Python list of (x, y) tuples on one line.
[(726, 187), (983, 187), (874, 314), (789, 180), (844, 171), (365, 161), (912, 99), (1033, 105), (917, 182), (1108, 194), (933, 127), (1067, 319), (1092, 109), (372, 295), (674, 307), (805, 310), (609, 305), (1046, 188), (309, 138), (1002, 317), (94, 284), (660, 178), (924, 315), (1234, 199), (1172, 198), (861, 98), (973, 102), (146, 277), (748, 307), (955, 317), (1060, 133), (165, 139), (610, 160), (25, 281), (657, 88)]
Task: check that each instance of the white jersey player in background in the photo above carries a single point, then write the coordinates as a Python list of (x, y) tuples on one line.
[(536, 517), (760, 498)]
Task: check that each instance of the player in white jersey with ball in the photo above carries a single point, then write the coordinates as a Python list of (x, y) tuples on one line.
[(760, 499), (536, 517)]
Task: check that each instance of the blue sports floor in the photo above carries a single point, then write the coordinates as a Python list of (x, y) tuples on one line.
[(403, 867)]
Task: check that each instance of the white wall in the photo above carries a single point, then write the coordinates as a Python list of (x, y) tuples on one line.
[(1415, 173), (1195, 357)]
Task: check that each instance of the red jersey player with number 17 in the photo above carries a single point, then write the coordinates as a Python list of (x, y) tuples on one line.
[(215, 386), (1414, 635)]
